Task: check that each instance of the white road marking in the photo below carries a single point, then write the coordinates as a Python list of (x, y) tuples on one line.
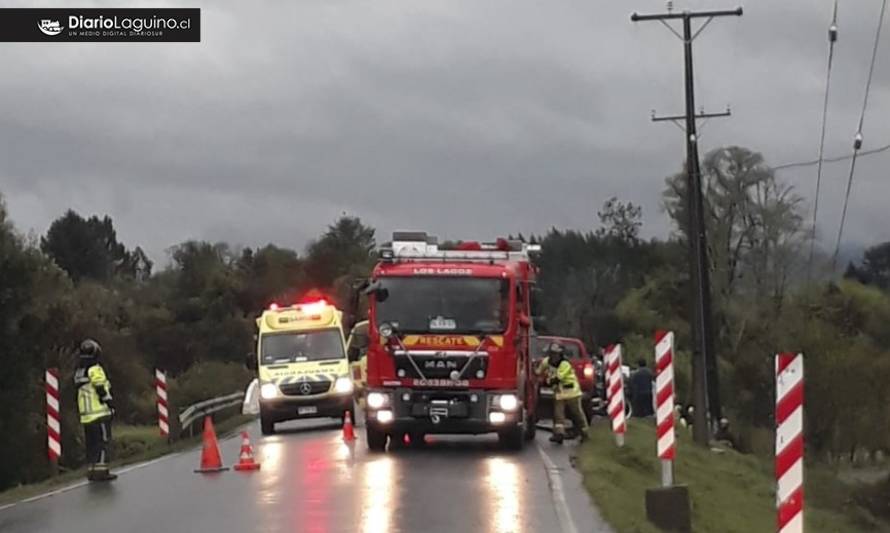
[(563, 515), (121, 471), (52, 493)]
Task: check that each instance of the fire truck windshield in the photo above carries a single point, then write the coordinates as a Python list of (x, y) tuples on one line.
[(445, 304), (301, 346)]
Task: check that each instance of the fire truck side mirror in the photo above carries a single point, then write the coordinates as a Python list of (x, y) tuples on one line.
[(379, 292), (536, 297), (353, 354), (250, 361), (524, 320)]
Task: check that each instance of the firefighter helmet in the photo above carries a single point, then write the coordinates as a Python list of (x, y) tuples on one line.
[(555, 349), (90, 347)]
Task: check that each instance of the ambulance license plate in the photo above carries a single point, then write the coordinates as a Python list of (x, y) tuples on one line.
[(308, 410)]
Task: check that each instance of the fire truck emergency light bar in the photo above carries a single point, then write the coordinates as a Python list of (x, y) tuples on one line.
[(419, 245)]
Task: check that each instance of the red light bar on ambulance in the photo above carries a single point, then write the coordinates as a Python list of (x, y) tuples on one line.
[(312, 307)]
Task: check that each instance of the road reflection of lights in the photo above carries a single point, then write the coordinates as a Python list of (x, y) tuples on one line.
[(376, 500), (313, 488), (270, 455), (345, 459), (502, 484)]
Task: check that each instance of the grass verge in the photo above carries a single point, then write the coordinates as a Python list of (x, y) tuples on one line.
[(730, 492), (131, 444)]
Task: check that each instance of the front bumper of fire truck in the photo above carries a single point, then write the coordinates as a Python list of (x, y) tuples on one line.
[(443, 411)]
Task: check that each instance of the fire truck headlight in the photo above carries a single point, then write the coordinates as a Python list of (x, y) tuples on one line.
[(343, 385), (384, 417), (508, 402), (588, 371), (385, 330), (376, 400), (497, 418), (269, 391)]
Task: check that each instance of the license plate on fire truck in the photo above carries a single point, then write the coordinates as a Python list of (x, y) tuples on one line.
[(546, 391)]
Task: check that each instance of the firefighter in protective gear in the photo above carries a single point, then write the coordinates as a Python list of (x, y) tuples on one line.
[(96, 408), (567, 393)]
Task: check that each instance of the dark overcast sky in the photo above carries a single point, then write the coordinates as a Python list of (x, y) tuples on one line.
[(465, 118)]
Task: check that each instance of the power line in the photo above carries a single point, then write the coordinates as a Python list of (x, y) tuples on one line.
[(832, 159), (857, 142), (832, 38)]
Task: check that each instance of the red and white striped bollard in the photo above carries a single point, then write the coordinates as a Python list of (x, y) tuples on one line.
[(163, 413), (53, 420), (789, 442), (615, 390), (664, 404)]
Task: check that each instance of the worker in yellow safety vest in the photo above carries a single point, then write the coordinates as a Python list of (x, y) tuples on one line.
[(566, 393), (96, 408)]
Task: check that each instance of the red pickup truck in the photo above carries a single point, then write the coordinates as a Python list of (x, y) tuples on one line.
[(585, 368)]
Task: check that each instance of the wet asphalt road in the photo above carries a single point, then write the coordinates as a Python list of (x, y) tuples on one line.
[(312, 482)]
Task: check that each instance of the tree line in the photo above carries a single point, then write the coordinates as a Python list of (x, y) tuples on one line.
[(195, 316), (609, 285)]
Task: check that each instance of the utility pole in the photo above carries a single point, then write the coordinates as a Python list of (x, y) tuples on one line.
[(704, 361), (710, 383)]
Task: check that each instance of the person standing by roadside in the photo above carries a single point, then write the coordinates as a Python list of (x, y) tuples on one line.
[(641, 390), (96, 408), (567, 393)]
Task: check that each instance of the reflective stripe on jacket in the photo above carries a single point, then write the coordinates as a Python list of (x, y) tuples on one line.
[(568, 386), (90, 406)]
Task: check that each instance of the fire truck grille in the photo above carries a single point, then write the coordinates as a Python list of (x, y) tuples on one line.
[(441, 367)]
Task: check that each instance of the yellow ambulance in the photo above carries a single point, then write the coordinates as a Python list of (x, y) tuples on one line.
[(301, 364)]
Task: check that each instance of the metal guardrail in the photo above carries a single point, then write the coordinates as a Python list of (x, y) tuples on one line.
[(207, 407)]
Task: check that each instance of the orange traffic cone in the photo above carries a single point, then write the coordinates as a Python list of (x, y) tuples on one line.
[(211, 461), (246, 462), (348, 430)]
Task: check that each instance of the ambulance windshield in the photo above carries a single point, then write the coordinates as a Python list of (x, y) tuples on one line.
[(445, 304), (301, 346)]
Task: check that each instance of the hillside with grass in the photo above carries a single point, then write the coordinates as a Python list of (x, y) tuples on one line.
[(730, 492)]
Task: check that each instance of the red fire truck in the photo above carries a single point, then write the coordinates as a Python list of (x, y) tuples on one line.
[(449, 341)]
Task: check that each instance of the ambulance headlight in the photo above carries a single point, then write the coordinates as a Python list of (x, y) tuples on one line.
[(508, 402), (269, 391), (343, 385), (376, 400)]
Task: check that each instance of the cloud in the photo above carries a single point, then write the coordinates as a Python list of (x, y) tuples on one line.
[(465, 119)]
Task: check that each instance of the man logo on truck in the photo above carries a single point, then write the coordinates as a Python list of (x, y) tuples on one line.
[(449, 365)]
